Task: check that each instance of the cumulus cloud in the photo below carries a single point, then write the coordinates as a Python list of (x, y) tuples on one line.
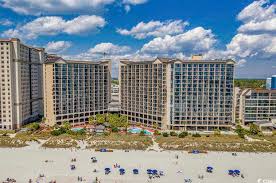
[(37, 7), (155, 29), (197, 40), (127, 3), (258, 17), (53, 25), (58, 46), (244, 46), (257, 11), (6, 22), (109, 49)]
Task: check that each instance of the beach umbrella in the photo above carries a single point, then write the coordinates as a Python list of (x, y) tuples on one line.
[(122, 171), (107, 170), (149, 171), (135, 171), (154, 171), (237, 172)]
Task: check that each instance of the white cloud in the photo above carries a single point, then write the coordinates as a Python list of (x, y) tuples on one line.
[(134, 2), (197, 40), (155, 29), (37, 7), (127, 3), (243, 45), (267, 26), (257, 11), (53, 25), (58, 46), (109, 49), (258, 17), (6, 22)]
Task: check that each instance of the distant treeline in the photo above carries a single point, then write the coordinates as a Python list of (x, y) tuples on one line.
[(115, 81), (250, 83), (242, 83)]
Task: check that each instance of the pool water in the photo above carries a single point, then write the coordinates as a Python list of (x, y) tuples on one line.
[(138, 130), (76, 129)]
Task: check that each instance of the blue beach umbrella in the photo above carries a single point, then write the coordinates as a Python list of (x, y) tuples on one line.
[(135, 171)]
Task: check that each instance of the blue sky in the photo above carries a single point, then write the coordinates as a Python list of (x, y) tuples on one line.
[(243, 30)]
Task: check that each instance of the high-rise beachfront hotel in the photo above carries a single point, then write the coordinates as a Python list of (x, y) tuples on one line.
[(75, 90), (21, 88), (178, 94)]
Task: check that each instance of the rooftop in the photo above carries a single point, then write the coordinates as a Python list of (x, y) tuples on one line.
[(173, 60), (58, 59)]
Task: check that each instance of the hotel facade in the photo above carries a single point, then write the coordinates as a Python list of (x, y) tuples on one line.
[(75, 90), (178, 94), (255, 105), (21, 90)]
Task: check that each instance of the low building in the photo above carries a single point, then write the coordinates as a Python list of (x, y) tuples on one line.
[(259, 105)]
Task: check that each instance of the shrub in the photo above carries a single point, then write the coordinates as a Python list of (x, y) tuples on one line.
[(217, 132), (59, 131), (254, 129), (240, 131), (196, 135), (106, 133), (183, 134), (165, 134), (115, 129), (172, 133), (33, 126), (156, 132), (142, 133)]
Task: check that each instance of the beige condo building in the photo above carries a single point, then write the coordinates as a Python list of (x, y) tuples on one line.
[(75, 90), (21, 98), (194, 95)]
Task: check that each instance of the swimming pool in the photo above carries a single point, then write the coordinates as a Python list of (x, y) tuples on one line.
[(76, 129), (138, 130)]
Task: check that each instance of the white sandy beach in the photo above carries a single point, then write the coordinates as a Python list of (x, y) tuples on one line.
[(25, 163)]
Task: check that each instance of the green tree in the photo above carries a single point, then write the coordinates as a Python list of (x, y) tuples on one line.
[(100, 118), (240, 131), (91, 120), (33, 126), (66, 125)]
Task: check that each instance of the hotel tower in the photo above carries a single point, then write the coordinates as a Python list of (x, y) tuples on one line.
[(21, 98), (178, 94), (75, 90)]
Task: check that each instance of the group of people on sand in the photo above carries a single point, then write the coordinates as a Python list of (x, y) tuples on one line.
[(9, 180), (116, 165)]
